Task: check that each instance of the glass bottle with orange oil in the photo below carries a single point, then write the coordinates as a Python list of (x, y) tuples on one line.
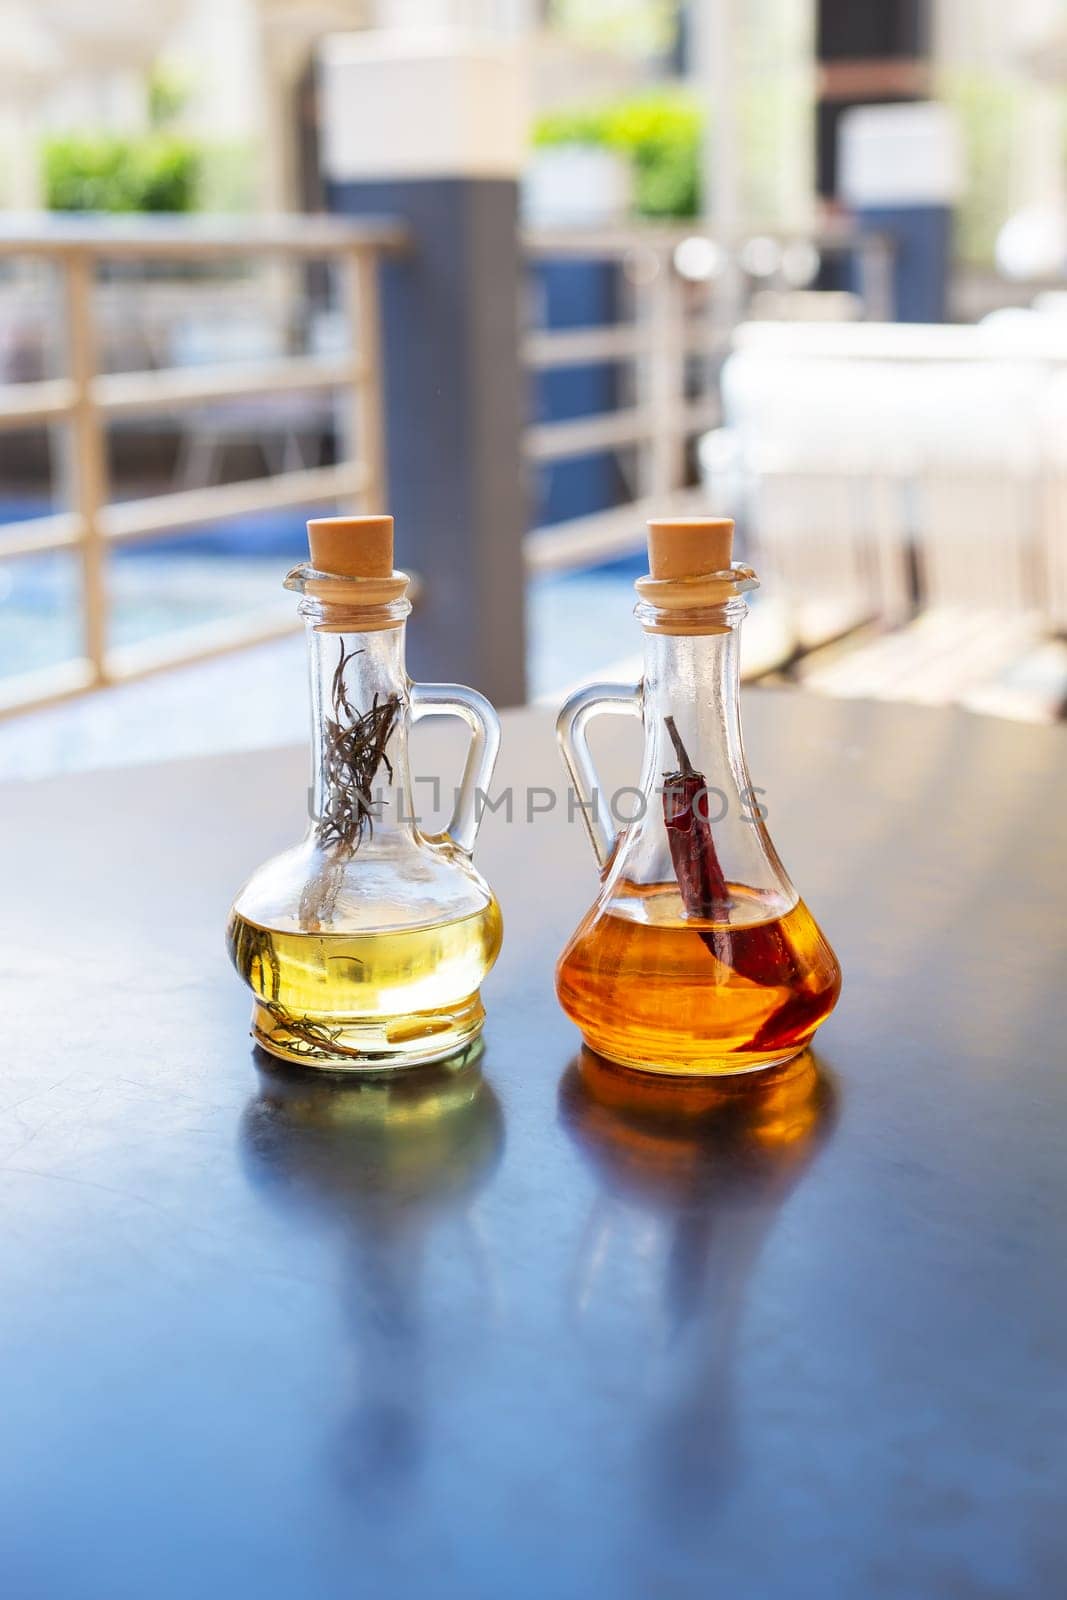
[(698, 956)]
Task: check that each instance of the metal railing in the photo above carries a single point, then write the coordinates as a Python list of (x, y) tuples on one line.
[(686, 293), (85, 401), (677, 328)]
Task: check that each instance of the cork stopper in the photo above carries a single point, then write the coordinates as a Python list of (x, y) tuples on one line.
[(691, 573), (689, 547), (351, 575), (352, 547)]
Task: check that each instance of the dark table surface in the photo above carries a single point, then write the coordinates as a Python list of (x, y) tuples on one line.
[(534, 1332)]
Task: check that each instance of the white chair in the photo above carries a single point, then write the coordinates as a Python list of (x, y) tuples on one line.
[(905, 481)]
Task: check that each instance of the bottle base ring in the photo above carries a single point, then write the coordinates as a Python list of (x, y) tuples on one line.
[(378, 1044), (714, 1067)]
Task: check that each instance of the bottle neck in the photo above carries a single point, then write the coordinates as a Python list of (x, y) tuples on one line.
[(696, 834), (692, 683), (360, 792)]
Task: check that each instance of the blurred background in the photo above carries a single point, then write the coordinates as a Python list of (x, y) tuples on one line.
[(524, 272)]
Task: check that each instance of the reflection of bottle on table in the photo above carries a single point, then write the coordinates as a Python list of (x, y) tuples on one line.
[(692, 1176), (389, 1162)]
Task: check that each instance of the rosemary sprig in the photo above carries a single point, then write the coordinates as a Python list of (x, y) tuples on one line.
[(353, 750), (313, 1041)]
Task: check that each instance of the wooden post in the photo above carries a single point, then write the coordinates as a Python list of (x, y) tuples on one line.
[(87, 455), (664, 380), (366, 312), (714, 25)]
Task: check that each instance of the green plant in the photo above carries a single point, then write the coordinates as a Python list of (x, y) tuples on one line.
[(168, 95), (157, 172), (659, 133), (227, 177)]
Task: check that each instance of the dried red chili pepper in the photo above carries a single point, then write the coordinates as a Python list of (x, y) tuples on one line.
[(758, 952), (785, 1027), (703, 888)]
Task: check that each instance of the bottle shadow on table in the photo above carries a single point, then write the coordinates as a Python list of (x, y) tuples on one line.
[(691, 1177), (385, 1162)]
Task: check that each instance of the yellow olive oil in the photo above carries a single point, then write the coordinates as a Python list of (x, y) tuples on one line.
[(359, 1000)]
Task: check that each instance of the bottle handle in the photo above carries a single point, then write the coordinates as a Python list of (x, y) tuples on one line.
[(454, 700), (610, 699)]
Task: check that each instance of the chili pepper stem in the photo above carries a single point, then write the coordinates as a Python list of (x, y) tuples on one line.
[(684, 764)]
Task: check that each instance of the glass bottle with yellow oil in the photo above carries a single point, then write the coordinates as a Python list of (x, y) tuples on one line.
[(365, 945), (698, 956)]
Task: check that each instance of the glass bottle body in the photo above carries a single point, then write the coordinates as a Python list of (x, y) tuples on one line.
[(366, 944), (698, 956)]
